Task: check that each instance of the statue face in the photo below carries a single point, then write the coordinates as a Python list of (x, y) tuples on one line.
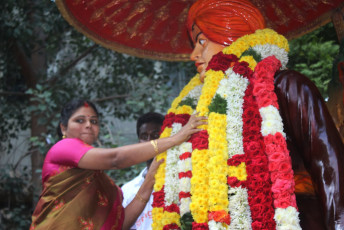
[(203, 51)]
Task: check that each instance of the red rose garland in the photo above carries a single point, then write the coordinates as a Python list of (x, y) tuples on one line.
[(174, 118), (199, 140), (158, 198), (275, 144), (221, 61), (171, 226), (257, 182), (199, 226)]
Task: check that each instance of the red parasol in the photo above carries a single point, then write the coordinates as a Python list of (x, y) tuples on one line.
[(156, 29)]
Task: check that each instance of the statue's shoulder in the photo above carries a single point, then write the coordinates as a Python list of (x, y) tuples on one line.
[(291, 77)]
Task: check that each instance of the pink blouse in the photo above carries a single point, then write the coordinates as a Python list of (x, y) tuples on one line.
[(63, 155), (66, 154)]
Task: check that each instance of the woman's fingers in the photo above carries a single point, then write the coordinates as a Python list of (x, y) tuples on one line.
[(153, 168), (201, 122), (190, 128), (155, 164), (196, 121)]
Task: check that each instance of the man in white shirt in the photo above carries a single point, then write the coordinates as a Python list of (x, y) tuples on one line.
[(147, 128)]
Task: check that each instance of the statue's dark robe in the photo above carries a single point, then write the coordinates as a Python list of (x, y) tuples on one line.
[(315, 147)]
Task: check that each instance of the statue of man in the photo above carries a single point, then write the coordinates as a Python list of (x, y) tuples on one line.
[(243, 86)]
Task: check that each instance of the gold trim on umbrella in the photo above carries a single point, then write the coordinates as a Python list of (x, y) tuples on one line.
[(61, 5)]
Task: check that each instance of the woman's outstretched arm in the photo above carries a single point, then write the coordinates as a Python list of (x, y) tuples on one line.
[(126, 156)]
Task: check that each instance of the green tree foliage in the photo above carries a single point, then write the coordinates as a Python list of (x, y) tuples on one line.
[(313, 55), (15, 208)]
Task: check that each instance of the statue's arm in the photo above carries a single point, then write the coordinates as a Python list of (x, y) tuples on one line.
[(310, 126)]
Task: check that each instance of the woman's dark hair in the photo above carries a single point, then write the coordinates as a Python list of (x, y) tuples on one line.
[(69, 109)]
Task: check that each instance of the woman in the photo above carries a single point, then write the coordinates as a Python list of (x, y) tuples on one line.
[(77, 194), (246, 96)]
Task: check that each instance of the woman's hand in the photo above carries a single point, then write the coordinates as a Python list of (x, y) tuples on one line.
[(137, 205), (146, 188), (189, 129), (150, 176), (125, 156)]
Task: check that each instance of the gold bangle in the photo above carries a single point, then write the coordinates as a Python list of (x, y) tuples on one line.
[(155, 146), (141, 199)]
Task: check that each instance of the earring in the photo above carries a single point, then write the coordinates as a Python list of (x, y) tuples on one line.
[(64, 136)]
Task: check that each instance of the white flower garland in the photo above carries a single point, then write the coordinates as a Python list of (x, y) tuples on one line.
[(195, 93), (238, 198), (184, 182), (171, 190), (271, 121), (239, 209), (236, 86), (269, 50), (287, 219), (213, 225)]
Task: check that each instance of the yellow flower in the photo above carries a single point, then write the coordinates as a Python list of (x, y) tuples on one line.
[(204, 127), (157, 214), (160, 174), (203, 218), (211, 83), (238, 171), (195, 81), (171, 218), (218, 161), (224, 203), (166, 133), (203, 213), (260, 37), (199, 184), (250, 60), (160, 177), (184, 109)]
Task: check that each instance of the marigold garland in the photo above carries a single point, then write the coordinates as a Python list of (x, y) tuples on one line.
[(218, 197), (195, 81), (260, 37), (199, 186), (211, 83), (160, 178)]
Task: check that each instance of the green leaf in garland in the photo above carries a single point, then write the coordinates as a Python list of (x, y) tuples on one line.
[(218, 105), (251, 52), (186, 221), (189, 101)]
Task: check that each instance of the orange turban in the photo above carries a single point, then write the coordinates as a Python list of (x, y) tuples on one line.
[(224, 21)]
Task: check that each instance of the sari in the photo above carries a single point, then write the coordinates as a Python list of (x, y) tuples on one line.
[(79, 199)]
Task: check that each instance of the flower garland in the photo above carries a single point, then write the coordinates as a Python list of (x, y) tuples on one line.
[(167, 216), (222, 178), (275, 145), (185, 173)]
